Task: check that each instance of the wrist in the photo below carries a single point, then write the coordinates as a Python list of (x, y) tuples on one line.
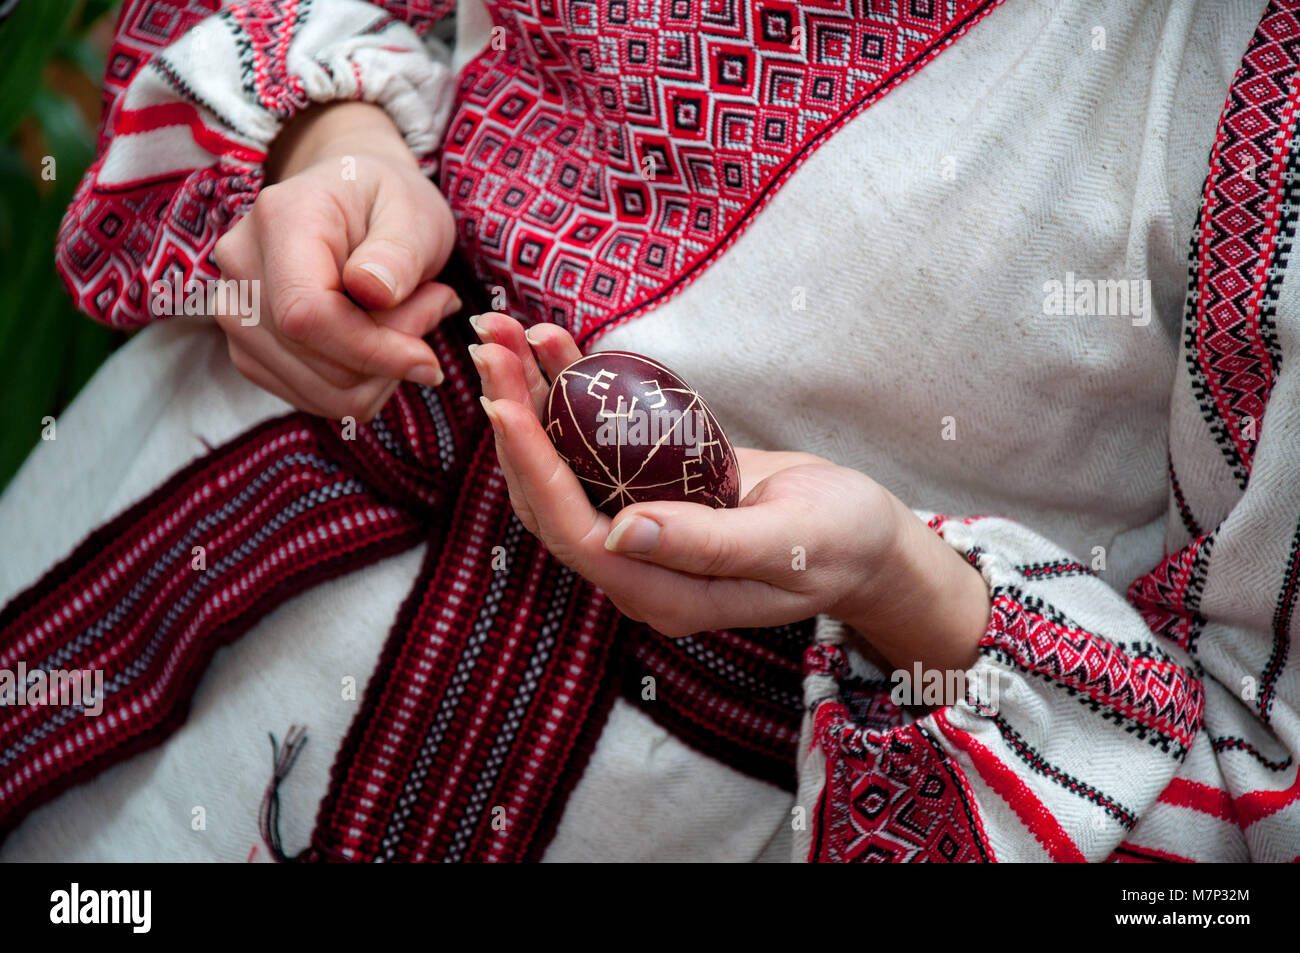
[(923, 601), (329, 130)]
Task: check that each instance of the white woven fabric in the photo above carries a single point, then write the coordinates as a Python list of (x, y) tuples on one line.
[(918, 241)]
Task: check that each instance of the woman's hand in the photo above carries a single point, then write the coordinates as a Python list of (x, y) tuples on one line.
[(345, 245), (809, 536)]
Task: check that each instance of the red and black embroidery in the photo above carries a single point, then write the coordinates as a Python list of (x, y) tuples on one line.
[(1056, 569), (736, 695), (1169, 595), (1242, 240), (1155, 696), (891, 797), (1282, 617), (1034, 760), (612, 150), (265, 30), (1180, 501), (1230, 743)]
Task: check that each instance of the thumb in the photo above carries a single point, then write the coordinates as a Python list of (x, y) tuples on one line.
[(398, 254), (423, 311), (751, 542)]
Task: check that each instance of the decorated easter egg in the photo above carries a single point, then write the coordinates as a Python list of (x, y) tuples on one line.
[(633, 432)]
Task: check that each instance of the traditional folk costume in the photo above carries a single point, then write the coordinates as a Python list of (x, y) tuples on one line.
[(880, 231)]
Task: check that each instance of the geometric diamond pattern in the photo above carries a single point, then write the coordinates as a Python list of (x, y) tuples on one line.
[(1241, 245), (610, 149), (891, 798)]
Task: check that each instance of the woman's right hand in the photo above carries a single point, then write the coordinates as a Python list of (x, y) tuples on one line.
[(344, 246)]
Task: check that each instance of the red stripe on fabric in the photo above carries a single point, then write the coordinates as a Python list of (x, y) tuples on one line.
[(1199, 797), (532, 773), (151, 118), (459, 592), (1031, 811), (1257, 805), (153, 705)]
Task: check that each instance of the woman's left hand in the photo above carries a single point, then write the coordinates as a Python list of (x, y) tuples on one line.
[(809, 536)]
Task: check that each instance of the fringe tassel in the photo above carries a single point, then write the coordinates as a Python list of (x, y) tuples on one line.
[(283, 760)]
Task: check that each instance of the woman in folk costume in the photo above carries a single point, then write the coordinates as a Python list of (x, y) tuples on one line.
[(890, 234)]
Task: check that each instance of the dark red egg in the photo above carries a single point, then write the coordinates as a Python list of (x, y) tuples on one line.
[(634, 432)]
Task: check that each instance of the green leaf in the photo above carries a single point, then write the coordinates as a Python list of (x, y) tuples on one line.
[(67, 137), (81, 53), (29, 36)]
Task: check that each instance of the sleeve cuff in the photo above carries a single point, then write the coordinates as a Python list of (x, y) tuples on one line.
[(222, 93)]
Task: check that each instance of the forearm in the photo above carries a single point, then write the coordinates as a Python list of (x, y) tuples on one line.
[(926, 603)]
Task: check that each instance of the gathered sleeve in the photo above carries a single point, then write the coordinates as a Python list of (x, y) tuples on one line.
[(196, 91)]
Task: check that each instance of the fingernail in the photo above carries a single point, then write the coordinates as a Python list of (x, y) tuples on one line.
[(637, 534), (386, 277), (497, 424), (477, 325), (430, 375), (452, 307), (531, 338), (478, 361)]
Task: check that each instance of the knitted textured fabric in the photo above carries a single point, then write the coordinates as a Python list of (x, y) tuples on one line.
[(493, 684)]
